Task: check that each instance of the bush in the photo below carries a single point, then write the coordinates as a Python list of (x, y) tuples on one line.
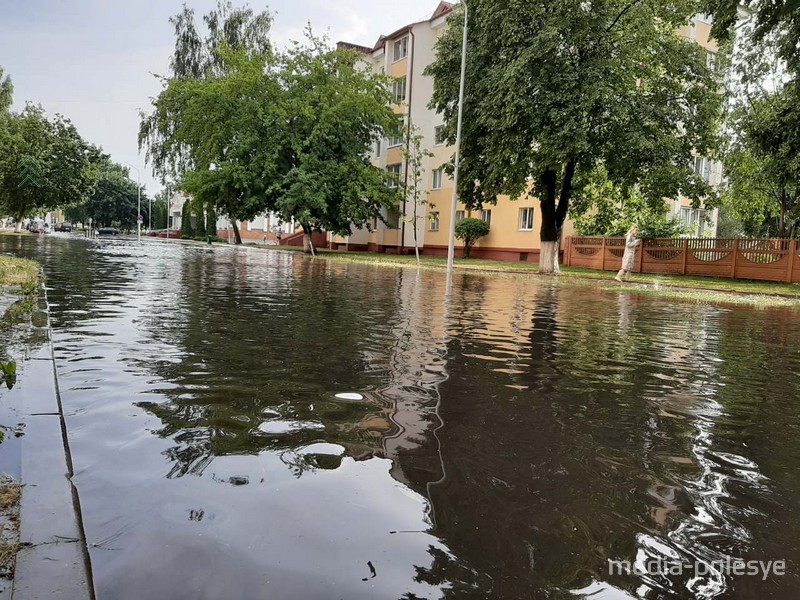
[(470, 231)]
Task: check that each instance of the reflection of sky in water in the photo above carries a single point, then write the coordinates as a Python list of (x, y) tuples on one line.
[(506, 444)]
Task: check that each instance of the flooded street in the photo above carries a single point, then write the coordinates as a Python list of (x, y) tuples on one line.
[(507, 442)]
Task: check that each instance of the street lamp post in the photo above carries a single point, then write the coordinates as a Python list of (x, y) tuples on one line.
[(451, 246), (139, 198)]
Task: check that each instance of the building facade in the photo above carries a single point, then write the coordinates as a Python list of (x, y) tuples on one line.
[(514, 232)]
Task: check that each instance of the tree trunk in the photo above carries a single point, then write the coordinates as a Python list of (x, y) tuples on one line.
[(308, 243), (782, 222), (18, 226), (237, 237), (467, 249), (553, 216)]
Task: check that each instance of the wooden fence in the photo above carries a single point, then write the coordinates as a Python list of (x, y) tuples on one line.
[(764, 259)]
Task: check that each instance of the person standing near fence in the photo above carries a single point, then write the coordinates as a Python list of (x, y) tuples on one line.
[(631, 242)]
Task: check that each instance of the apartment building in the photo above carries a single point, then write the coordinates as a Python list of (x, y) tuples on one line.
[(514, 235)]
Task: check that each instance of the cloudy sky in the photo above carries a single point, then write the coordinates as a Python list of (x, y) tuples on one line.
[(91, 60)]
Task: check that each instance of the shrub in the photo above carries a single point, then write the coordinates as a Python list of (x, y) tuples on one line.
[(186, 222), (470, 231)]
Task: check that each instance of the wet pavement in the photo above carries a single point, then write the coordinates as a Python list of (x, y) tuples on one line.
[(506, 441)]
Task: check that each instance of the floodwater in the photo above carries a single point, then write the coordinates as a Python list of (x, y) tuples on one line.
[(507, 441)]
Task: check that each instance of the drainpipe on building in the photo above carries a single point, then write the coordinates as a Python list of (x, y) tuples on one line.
[(408, 138)]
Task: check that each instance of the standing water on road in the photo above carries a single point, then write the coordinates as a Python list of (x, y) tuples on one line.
[(249, 424)]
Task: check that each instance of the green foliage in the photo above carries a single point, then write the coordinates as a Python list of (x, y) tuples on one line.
[(6, 92), (289, 134), (114, 200), (186, 222), (603, 208), (763, 163), (335, 111), (64, 160), (414, 191), (161, 209), (200, 216), (779, 19), (469, 231), (555, 88), (211, 220)]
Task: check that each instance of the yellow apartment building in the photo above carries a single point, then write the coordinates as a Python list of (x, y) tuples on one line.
[(514, 234)]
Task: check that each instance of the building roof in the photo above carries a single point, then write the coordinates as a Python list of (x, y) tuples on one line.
[(444, 8)]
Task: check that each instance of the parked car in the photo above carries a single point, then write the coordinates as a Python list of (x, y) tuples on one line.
[(66, 227), (108, 231)]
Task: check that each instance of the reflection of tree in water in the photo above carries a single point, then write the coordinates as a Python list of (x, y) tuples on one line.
[(259, 360), (559, 460)]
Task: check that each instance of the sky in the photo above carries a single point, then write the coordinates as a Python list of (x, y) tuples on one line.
[(93, 60)]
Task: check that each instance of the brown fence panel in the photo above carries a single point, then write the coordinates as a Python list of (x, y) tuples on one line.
[(767, 260), (586, 252), (662, 256), (762, 259), (710, 257)]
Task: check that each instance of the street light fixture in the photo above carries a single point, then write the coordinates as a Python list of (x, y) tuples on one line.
[(451, 245)]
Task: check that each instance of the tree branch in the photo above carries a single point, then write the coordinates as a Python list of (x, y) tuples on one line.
[(622, 14)]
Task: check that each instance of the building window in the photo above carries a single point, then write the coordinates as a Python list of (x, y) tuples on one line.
[(526, 219), (395, 141), (702, 168), (439, 135), (434, 221), (399, 89), (393, 181), (373, 224), (486, 215), (401, 49), (460, 214), (378, 148), (694, 219), (437, 179)]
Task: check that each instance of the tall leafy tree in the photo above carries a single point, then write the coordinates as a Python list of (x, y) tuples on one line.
[(6, 92), (170, 141), (771, 18), (335, 111), (762, 158), (763, 165), (554, 89), (45, 163), (229, 124), (113, 201)]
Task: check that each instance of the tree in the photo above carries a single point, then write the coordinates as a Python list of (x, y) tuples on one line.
[(211, 220), (114, 201), (413, 189), (602, 208), (771, 18), (45, 163), (553, 89), (335, 112), (181, 144), (161, 209), (6, 92), (187, 232), (763, 165), (470, 230)]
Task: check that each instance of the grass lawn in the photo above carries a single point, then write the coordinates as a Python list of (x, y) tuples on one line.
[(662, 282), (18, 271)]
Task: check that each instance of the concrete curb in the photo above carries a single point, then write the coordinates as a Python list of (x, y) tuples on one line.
[(55, 561)]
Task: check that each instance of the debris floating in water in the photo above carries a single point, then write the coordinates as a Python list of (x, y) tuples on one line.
[(350, 396)]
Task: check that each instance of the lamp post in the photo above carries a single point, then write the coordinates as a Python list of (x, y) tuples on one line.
[(139, 198), (451, 245)]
